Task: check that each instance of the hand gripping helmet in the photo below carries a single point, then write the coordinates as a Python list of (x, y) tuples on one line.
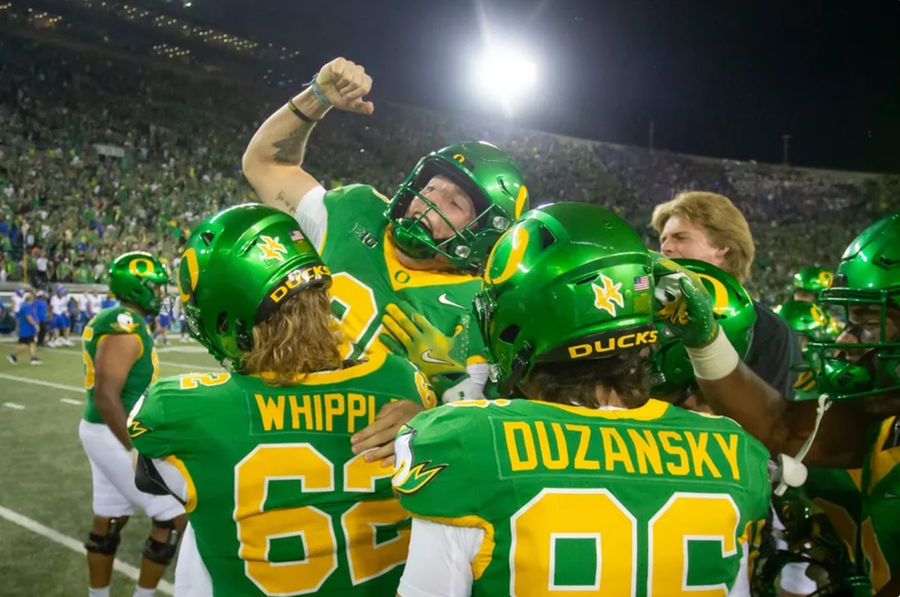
[(868, 276), (239, 266), (569, 281), (493, 181), (134, 278), (813, 279), (735, 313)]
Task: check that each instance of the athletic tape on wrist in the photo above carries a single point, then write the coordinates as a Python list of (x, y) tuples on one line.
[(715, 360)]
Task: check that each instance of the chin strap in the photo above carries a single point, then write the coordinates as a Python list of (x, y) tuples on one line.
[(791, 472)]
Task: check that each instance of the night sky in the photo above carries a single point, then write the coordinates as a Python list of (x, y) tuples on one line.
[(722, 78)]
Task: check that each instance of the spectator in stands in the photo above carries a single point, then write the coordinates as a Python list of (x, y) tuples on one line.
[(708, 227)]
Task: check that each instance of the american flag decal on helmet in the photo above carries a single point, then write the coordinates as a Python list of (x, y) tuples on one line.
[(641, 282)]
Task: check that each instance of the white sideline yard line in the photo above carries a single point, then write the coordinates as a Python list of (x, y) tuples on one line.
[(169, 363), (76, 546), (14, 405), (70, 401), (41, 382)]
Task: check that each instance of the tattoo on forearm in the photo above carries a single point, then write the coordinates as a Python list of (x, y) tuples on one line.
[(290, 150), (282, 199)]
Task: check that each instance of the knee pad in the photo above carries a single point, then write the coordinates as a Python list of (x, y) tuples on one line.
[(162, 552), (106, 544)]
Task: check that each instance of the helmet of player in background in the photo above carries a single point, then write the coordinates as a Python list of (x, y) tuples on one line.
[(239, 266), (135, 278), (810, 281), (736, 315), (491, 179), (581, 264), (868, 277), (809, 321)]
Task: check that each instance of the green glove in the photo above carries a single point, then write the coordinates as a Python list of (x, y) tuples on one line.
[(685, 306), (440, 357)]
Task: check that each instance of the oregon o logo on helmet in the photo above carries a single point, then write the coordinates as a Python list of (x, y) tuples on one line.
[(149, 268), (459, 158), (516, 253), (826, 278), (720, 293), (630, 340), (189, 260)]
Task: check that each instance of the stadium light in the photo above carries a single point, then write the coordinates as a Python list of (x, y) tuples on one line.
[(505, 75)]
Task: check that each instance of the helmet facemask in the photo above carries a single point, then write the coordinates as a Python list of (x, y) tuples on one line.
[(846, 370), (493, 184)]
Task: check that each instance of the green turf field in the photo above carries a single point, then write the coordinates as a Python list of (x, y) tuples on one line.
[(45, 483)]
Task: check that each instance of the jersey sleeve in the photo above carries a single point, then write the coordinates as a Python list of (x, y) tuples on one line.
[(115, 321), (312, 216), (433, 475), (148, 426)]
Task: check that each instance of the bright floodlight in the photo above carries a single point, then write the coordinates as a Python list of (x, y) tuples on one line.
[(505, 75)]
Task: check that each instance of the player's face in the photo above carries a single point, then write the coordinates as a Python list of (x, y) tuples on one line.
[(682, 238), (864, 326), (454, 203), (805, 295)]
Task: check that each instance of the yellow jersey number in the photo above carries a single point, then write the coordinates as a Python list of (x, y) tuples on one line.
[(255, 526), (358, 315), (598, 515)]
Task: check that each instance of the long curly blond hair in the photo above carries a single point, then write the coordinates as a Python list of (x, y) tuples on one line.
[(301, 337)]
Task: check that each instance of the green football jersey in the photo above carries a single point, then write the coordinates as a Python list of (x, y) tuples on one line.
[(118, 320), (650, 501), (863, 505), (278, 502), (366, 276)]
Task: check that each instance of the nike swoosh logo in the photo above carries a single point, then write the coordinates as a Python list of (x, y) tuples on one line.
[(445, 301), (426, 356)]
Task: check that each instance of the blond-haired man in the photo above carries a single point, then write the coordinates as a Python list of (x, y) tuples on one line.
[(707, 226)]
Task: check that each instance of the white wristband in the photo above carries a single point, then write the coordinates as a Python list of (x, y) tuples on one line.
[(715, 360)]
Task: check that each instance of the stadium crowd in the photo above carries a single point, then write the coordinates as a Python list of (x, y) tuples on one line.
[(99, 155)]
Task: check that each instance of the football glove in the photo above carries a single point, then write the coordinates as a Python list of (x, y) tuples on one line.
[(685, 306), (440, 357)]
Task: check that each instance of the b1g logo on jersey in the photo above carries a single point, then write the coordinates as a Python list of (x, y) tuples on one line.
[(364, 236)]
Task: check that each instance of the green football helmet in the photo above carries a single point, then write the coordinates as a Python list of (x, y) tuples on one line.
[(135, 278), (735, 313), (809, 321), (493, 181), (568, 281), (813, 279), (868, 276), (239, 266)]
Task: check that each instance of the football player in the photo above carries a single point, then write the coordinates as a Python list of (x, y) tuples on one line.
[(59, 306), (425, 246), (119, 363), (859, 377), (587, 486), (278, 503)]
